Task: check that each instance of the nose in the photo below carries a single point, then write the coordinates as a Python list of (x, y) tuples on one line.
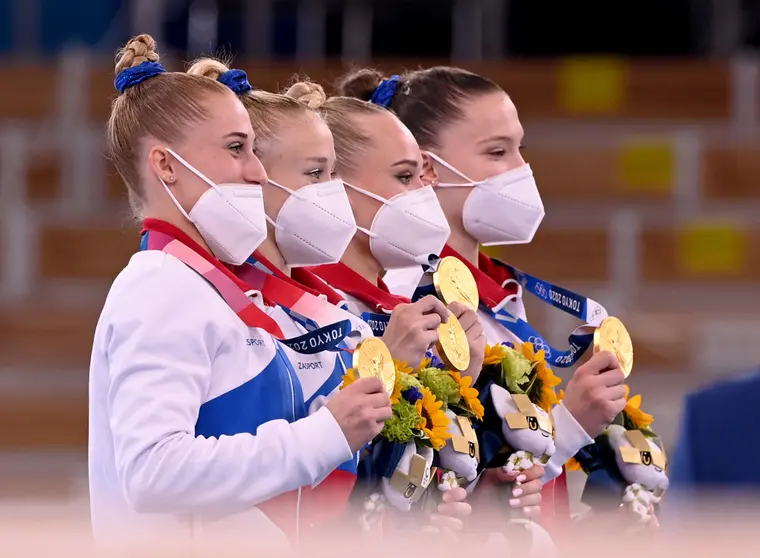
[(253, 171), (416, 182), (519, 161)]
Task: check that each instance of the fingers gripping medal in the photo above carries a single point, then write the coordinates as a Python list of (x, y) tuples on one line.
[(612, 336), (452, 345), (453, 282), (372, 359)]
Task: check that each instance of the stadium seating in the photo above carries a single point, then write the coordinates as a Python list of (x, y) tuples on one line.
[(616, 168)]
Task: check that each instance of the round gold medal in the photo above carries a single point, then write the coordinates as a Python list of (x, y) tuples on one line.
[(612, 336), (454, 282), (372, 359), (452, 345)]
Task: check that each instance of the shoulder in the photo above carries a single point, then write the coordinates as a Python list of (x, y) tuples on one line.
[(152, 272), (158, 284)]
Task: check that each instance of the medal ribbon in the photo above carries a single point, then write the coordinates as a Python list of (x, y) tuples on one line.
[(304, 307), (494, 297), (231, 289), (377, 296), (586, 309)]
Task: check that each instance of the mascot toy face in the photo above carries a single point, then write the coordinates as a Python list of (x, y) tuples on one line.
[(461, 454), (639, 459), (411, 477), (525, 426)]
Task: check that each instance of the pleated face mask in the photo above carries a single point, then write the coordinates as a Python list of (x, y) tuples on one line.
[(315, 224), (407, 229), (504, 209), (229, 217)]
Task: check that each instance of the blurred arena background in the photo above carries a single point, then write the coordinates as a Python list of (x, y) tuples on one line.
[(642, 128)]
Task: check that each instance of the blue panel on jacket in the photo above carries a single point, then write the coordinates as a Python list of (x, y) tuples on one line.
[(266, 397)]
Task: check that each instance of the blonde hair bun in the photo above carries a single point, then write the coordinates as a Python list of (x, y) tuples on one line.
[(208, 67), (138, 50), (308, 93)]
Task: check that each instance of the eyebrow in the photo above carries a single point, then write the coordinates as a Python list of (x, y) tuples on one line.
[(322, 160), (499, 137), (240, 135), (411, 162)]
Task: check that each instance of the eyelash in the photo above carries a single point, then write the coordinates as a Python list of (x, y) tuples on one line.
[(501, 152), (405, 178), (236, 147)]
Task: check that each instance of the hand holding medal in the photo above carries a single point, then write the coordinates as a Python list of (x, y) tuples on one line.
[(363, 407), (461, 341), (612, 336), (372, 359)]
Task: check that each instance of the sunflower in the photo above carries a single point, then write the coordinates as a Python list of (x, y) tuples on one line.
[(639, 418), (426, 360), (396, 395), (348, 378), (469, 394), (433, 421), (494, 354), (402, 367), (543, 393)]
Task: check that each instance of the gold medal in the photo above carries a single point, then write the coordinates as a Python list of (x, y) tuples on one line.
[(612, 336), (372, 359), (452, 345), (455, 283)]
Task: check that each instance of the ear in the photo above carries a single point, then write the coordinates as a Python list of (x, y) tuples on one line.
[(502, 401), (429, 174), (162, 164)]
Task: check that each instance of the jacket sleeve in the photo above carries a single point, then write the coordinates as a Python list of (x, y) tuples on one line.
[(570, 438), (160, 349)]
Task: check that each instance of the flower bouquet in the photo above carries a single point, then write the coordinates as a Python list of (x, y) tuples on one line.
[(397, 467), (626, 465), (517, 389), (459, 457)]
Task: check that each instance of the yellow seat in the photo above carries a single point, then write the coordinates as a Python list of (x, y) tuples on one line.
[(699, 253)]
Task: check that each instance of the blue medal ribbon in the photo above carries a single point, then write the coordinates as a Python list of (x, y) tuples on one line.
[(583, 308), (377, 322), (317, 339)]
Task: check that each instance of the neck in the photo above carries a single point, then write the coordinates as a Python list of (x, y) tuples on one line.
[(359, 258), (270, 251), (178, 220), (465, 245)]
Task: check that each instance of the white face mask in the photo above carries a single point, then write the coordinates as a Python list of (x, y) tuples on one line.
[(229, 217), (407, 229), (504, 209), (315, 224)]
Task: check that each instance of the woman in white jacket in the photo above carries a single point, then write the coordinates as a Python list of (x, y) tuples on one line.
[(196, 414), (471, 137)]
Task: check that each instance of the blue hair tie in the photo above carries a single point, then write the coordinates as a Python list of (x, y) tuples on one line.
[(130, 77), (385, 92), (237, 80)]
